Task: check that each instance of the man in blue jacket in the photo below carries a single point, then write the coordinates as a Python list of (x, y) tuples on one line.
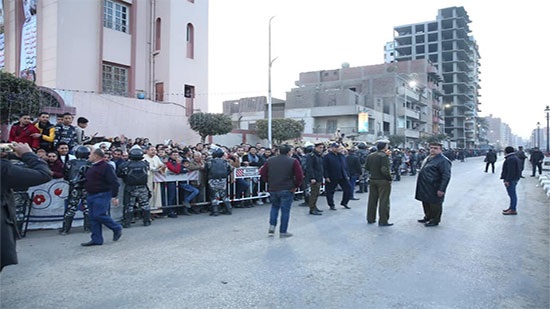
[(335, 170)]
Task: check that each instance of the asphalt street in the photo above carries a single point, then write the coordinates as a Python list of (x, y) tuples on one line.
[(476, 257)]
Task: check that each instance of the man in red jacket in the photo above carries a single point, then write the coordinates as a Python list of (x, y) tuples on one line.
[(24, 132)]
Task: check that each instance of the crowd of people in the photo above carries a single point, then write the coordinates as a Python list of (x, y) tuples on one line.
[(327, 166)]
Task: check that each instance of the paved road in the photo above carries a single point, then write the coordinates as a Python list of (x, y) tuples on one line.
[(476, 258)]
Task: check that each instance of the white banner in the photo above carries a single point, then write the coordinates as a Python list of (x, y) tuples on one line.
[(48, 205)]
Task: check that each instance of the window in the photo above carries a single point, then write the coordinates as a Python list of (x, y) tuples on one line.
[(157, 33), (189, 94), (115, 79), (159, 92), (190, 41), (116, 16)]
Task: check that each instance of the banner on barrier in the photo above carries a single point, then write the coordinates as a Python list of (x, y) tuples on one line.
[(246, 172), (48, 205), (168, 176)]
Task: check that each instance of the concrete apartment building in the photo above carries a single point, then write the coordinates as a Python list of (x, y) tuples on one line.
[(133, 67), (447, 43), (331, 100)]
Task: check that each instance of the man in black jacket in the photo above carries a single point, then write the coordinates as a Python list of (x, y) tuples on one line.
[(35, 172), (314, 176), (431, 184), (353, 164), (334, 168), (511, 172), (490, 159), (536, 159)]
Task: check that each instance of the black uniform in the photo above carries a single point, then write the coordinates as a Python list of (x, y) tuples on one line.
[(217, 171), (75, 173), (136, 193)]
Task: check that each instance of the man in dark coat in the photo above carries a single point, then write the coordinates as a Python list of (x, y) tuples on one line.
[(354, 169), (490, 159), (334, 168), (35, 172), (314, 176), (511, 172), (431, 184), (536, 159), (521, 155)]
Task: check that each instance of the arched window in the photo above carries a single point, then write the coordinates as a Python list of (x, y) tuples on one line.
[(157, 33), (190, 41)]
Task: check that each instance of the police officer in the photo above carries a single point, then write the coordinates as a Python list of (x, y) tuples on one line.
[(74, 172), (397, 160), (362, 153), (217, 171), (134, 173)]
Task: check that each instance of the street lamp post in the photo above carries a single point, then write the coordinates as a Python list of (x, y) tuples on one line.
[(269, 103), (538, 134), (547, 110)]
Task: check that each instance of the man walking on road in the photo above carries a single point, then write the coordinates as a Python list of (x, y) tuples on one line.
[(102, 187), (536, 159), (511, 172), (314, 175), (431, 184), (378, 166), (334, 168), (283, 175), (490, 159)]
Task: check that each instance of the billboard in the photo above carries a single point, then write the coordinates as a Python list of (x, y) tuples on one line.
[(363, 122)]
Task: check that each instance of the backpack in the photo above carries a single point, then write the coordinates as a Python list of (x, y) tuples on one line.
[(218, 169), (135, 173)]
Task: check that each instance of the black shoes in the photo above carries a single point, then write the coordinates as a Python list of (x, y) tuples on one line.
[(318, 210), (332, 207), (370, 222), (90, 243), (385, 224), (431, 223), (315, 213), (423, 220), (172, 215), (354, 199), (345, 206), (117, 234), (509, 212)]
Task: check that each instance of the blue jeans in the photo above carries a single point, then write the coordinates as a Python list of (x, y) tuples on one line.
[(98, 206), (281, 200), (172, 193), (511, 190)]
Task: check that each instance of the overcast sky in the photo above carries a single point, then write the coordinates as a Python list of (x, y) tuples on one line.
[(313, 35)]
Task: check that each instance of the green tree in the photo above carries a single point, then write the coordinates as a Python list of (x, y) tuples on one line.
[(17, 96), (208, 124), (281, 129)]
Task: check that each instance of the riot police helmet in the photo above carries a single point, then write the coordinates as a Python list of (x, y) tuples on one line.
[(218, 153), (82, 152), (135, 154)]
